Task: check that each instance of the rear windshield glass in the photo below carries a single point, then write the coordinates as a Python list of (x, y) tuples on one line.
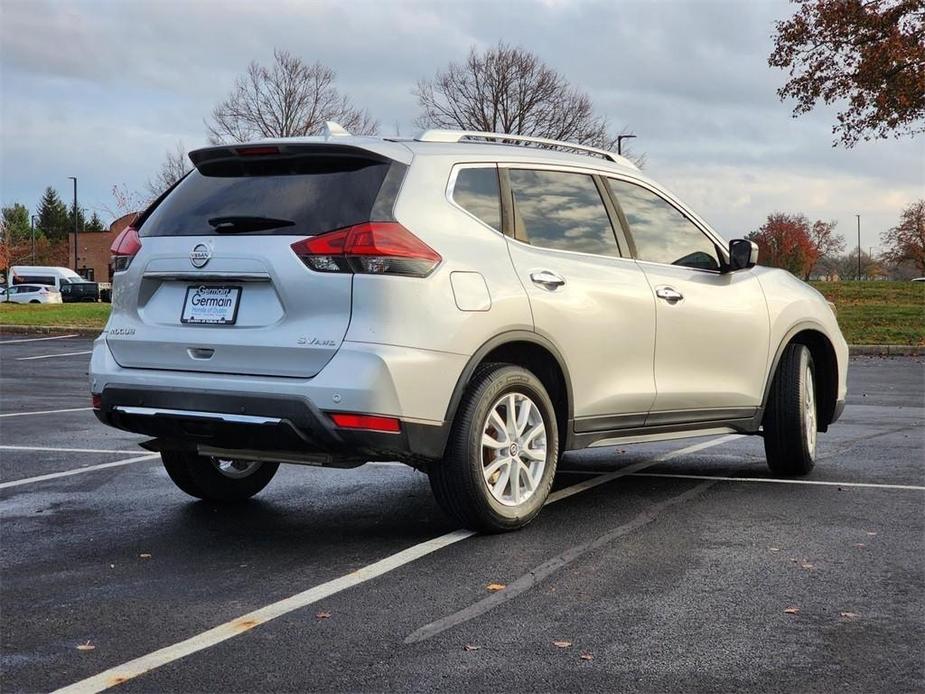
[(302, 200)]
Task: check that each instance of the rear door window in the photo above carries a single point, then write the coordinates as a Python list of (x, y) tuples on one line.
[(561, 210), (477, 191), (663, 234), (304, 197)]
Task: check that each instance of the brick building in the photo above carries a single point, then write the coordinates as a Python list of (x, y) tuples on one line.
[(94, 250)]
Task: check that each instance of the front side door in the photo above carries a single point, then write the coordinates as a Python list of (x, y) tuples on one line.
[(592, 304), (712, 328)]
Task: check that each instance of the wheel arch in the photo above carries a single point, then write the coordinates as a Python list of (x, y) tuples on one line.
[(533, 352), (825, 362)]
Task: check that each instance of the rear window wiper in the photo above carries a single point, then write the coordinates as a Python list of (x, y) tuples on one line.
[(240, 224)]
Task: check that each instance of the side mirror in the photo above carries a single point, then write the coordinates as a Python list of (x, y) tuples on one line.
[(743, 254)]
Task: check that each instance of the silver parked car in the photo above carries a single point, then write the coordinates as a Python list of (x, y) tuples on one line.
[(470, 306)]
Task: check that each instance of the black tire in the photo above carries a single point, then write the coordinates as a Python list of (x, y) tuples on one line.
[(200, 476), (789, 437), (458, 481)]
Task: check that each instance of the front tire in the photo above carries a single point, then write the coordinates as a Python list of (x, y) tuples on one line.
[(501, 457), (215, 479), (791, 418)]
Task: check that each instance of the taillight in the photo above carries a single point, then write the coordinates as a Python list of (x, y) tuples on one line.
[(367, 422), (96, 401), (124, 248), (377, 248)]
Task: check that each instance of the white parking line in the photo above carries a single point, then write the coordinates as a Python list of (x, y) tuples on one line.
[(23, 414), (139, 666), (52, 356), (37, 339), (78, 471), (62, 450), (774, 480)]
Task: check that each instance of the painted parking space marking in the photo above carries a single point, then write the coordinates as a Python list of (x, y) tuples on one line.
[(146, 663), (774, 480), (23, 414), (50, 449), (52, 356), (36, 339), (78, 471), (551, 566)]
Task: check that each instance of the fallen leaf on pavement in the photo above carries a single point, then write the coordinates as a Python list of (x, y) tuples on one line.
[(792, 610), (774, 549), (807, 565), (86, 646), (850, 615), (860, 544), (562, 644), (495, 587), (470, 647), (323, 615), (586, 656), (145, 556), (871, 533)]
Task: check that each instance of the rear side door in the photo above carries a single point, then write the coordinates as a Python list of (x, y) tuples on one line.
[(589, 300), (712, 327)]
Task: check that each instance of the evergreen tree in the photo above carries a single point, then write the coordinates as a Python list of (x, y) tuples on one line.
[(53, 217), (81, 219), (15, 221), (95, 223)]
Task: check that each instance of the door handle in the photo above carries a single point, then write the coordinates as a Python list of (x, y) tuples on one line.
[(547, 279), (669, 294)]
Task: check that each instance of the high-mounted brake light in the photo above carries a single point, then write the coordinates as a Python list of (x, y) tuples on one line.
[(124, 248), (256, 151), (378, 248), (367, 422)]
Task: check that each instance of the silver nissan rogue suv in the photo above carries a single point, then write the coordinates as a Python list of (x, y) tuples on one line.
[(468, 303)]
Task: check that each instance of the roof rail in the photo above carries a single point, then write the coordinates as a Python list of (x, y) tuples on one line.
[(436, 135)]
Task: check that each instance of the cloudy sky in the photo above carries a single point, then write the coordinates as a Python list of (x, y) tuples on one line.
[(101, 89)]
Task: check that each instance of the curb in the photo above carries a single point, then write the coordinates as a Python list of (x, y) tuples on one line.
[(853, 350), (48, 330), (887, 350)]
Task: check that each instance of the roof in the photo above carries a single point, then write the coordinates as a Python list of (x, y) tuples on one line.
[(478, 145)]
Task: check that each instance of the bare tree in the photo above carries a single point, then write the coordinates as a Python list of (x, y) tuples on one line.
[(174, 167), (510, 90), (287, 99)]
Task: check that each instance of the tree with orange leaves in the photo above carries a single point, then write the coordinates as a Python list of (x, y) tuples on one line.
[(790, 242), (867, 54)]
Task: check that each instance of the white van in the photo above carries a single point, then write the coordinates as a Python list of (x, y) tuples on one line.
[(72, 286)]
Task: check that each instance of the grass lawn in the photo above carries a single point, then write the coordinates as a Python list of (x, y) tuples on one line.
[(55, 315), (878, 313), (869, 313)]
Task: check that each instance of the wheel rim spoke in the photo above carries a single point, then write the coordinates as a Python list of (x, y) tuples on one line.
[(513, 449)]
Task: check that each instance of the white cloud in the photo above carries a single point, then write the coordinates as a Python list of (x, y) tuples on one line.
[(102, 88)]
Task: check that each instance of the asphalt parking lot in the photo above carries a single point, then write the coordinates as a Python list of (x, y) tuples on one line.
[(676, 566)]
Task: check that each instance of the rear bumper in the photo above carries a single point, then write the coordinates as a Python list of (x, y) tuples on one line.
[(290, 426), (195, 410)]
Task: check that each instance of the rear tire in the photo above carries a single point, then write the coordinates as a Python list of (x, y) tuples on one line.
[(790, 421), (502, 452), (216, 479)]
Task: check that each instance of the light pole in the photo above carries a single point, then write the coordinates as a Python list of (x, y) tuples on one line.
[(620, 139), (859, 246), (74, 178), (33, 239)]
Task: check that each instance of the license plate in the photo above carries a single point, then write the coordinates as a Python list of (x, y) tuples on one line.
[(211, 305)]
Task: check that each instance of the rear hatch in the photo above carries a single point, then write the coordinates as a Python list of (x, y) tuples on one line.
[(216, 286)]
